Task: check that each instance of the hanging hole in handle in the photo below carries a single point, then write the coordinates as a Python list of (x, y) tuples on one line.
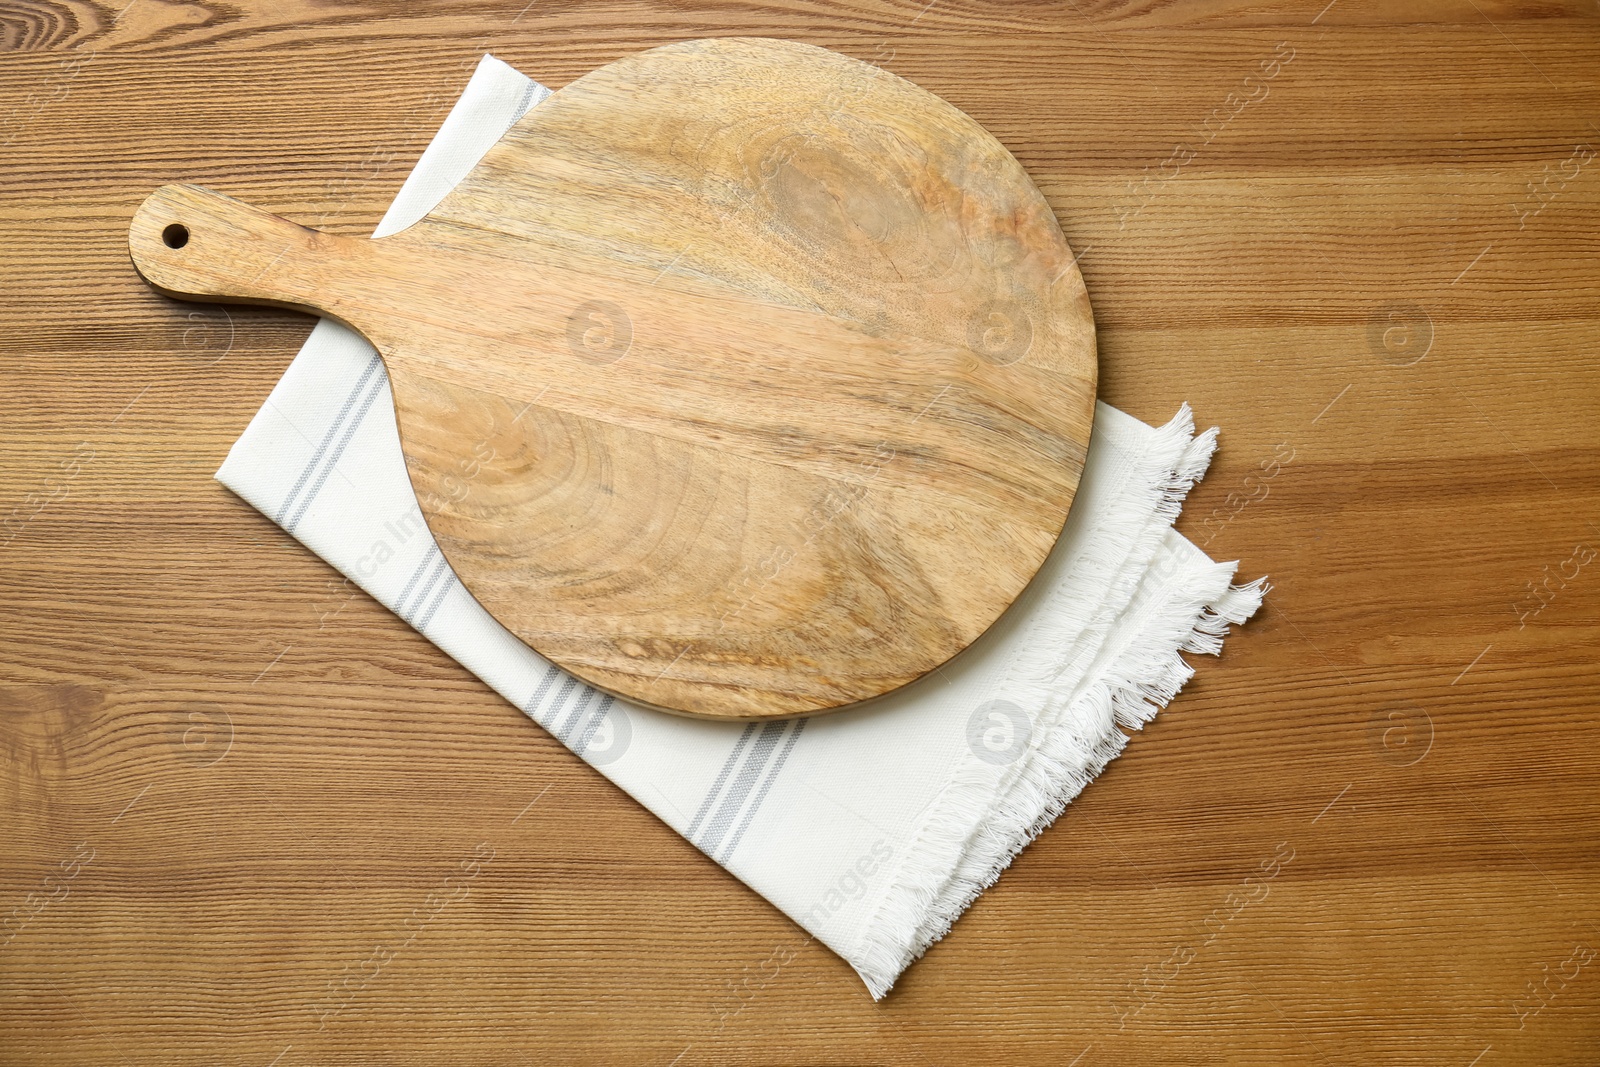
[(175, 236)]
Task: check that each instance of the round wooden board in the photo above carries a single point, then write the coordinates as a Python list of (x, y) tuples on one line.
[(741, 379)]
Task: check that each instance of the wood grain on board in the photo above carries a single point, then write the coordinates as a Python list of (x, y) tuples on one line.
[(741, 378), (1376, 272)]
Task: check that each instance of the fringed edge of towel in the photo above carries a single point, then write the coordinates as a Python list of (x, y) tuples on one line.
[(1116, 559), (928, 896), (1059, 771)]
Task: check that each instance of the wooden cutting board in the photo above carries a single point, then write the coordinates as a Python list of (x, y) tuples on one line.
[(741, 379)]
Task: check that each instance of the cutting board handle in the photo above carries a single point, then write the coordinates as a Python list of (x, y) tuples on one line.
[(194, 244)]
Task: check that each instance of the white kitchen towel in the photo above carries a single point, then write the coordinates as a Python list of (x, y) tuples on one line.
[(874, 828)]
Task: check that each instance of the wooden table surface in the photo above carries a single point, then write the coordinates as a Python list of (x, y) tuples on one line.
[(1361, 236)]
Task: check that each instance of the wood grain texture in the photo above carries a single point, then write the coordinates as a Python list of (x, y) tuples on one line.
[(742, 379), (1414, 714)]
